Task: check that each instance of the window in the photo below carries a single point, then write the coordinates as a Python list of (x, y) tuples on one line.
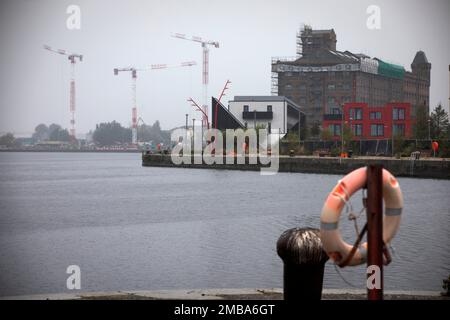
[(356, 114), (303, 100), (245, 108), (331, 86), (246, 125), (331, 102), (375, 115), (357, 130), (269, 108), (346, 86), (335, 129), (376, 130), (398, 114), (399, 129), (336, 111), (302, 86)]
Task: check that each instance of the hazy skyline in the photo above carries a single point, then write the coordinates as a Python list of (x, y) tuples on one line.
[(35, 82)]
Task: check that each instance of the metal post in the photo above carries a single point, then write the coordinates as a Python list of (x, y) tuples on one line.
[(185, 135), (193, 136), (392, 138), (342, 131), (304, 262), (254, 119), (375, 225)]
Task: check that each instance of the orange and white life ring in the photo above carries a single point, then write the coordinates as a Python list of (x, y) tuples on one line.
[(333, 244)]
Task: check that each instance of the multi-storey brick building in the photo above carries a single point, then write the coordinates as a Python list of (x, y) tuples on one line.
[(321, 79)]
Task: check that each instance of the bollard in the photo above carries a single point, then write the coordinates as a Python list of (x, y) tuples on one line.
[(304, 263)]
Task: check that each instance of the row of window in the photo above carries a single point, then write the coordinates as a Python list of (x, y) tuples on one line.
[(246, 109), (376, 130), (333, 74), (357, 114), (318, 86)]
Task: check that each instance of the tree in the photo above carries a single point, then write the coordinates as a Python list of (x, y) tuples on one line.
[(60, 135), (56, 133), (315, 129), (41, 133), (153, 133), (111, 133), (439, 123), (7, 140), (326, 134), (348, 136), (421, 125)]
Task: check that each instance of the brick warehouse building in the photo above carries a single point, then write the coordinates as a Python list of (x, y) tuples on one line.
[(322, 79)]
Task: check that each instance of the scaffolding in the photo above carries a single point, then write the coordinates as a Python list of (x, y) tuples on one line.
[(274, 77), (303, 35)]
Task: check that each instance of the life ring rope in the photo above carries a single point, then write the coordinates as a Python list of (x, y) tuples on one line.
[(337, 249)]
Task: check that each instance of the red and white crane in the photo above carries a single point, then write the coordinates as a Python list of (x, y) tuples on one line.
[(205, 71), (72, 58), (134, 71)]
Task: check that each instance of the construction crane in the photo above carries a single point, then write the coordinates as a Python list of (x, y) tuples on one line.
[(205, 71), (72, 58), (134, 71)]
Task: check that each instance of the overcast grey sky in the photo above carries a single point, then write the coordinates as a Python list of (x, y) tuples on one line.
[(34, 82)]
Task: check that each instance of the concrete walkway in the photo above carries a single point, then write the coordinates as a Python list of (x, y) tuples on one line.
[(226, 294)]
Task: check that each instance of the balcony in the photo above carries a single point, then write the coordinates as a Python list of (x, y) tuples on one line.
[(258, 115), (332, 117)]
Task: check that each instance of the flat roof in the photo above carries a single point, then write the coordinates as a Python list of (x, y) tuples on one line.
[(266, 99)]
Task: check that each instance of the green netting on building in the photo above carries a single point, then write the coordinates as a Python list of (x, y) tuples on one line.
[(390, 70)]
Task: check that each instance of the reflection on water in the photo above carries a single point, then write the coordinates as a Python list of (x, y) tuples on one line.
[(135, 228)]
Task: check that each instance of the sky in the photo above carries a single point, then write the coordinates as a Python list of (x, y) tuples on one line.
[(34, 83)]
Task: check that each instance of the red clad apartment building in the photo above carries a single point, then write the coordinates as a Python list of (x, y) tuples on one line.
[(367, 122)]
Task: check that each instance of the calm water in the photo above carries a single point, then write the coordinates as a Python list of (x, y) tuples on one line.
[(134, 228)]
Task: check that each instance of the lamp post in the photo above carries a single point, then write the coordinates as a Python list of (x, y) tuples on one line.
[(254, 119), (392, 139), (193, 136), (185, 135), (429, 128), (299, 122)]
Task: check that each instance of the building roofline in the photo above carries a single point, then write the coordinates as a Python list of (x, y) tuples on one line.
[(266, 98)]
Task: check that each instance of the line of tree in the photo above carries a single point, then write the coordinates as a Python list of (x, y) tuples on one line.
[(53, 132), (153, 133), (113, 133)]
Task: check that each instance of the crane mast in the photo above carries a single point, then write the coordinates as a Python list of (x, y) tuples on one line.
[(72, 57), (134, 71), (205, 69)]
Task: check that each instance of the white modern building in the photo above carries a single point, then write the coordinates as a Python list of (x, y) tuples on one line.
[(277, 114)]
